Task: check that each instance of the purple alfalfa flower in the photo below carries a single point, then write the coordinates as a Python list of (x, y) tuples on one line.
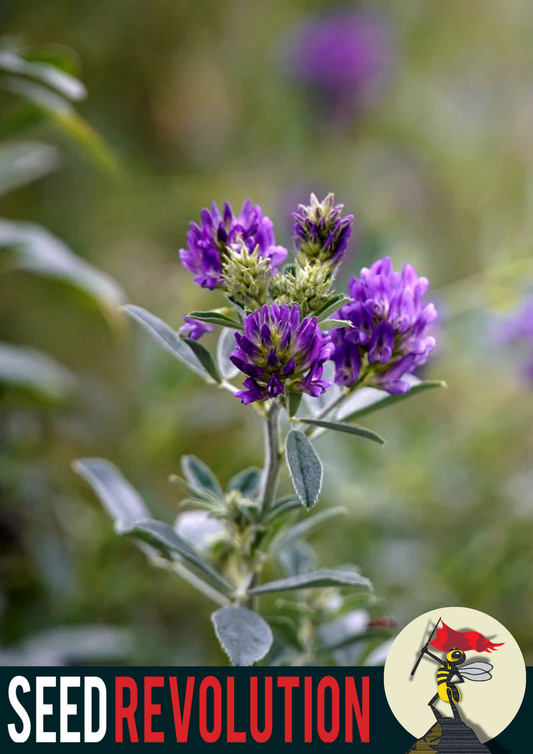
[(208, 242), (194, 329), (345, 56), (321, 232), (388, 338), (280, 353), (517, 329)]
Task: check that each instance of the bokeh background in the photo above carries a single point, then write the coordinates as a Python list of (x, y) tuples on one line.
[(422, 124)]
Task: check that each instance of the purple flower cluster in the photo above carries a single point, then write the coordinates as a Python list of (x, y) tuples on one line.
[(345, 56), (320, 230), (208, 242), (388, 338), (281, 353), (518, 329)]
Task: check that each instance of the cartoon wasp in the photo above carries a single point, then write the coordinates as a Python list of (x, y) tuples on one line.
[(448, 691), (449, 674)]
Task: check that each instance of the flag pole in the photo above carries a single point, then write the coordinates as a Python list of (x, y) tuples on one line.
[(413, 671)]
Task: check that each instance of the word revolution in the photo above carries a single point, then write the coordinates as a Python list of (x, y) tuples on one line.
[(234, 707)]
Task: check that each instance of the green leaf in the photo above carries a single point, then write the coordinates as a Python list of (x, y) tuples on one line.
[(226, 344), (166, 538), (68, 86), (335, 324), (283, 507), (293, 403), (350, 429), (304, 528), (198, 492), (246, 482), (62, 115), (200, 476), (297, 558), (305, 467), (57, 55), (33, 249), (34, 372), (322, 578), (119, 498), (216, 318), (205, 358), (286, 629), (333, 304), (169, 339), (368, 400), (244, 636), (24, 162)]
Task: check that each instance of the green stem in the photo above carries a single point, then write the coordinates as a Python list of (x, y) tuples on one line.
[(273, 458), (269, 481)]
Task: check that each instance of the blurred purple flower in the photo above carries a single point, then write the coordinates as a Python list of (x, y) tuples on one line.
[(345, 55), (281, 353), (208, 242), (320, 231), (518, 328), (194, 329), (389, 335)]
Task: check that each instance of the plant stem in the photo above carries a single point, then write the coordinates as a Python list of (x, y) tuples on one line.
[(273, 457), (269, 480)]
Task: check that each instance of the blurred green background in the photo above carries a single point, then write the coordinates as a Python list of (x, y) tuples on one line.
[(198, 102)]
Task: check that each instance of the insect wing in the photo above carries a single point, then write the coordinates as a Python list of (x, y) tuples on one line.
[(477, 671)]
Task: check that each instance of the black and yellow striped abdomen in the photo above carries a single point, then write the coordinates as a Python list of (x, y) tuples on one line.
[(444, 674)]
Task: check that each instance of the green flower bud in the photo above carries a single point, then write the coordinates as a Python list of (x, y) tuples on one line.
[(246, 276), (308, 286)]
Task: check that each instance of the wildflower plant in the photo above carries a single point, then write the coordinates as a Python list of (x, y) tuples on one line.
[(309, 360)]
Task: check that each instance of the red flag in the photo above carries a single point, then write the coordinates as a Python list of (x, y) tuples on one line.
[(447, 638)]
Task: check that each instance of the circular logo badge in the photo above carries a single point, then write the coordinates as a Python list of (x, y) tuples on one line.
[(454, 672)]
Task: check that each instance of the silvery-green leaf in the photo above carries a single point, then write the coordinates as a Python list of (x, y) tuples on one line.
[(304, 466), (205, 358), (166, 538), (226, 344), (202, 494), (350, 429), (322, 578), (284, 506), (308, 525), (169, 339), (65, 84), (297, 558), (119, 498), (333, 304), (244, 636), (199, 475), (33, 249), (61, 114), (34, 372), (216, 318), (367, 400), (24, 162), (246, 482), (335, 324)]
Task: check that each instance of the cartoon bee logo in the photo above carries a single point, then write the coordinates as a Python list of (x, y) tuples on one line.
[(451, 670)]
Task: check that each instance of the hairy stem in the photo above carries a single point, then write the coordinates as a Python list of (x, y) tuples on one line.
[(269, 480), (273, 458)]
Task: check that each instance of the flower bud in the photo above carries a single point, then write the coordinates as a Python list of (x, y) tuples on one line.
[(321, 233)]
